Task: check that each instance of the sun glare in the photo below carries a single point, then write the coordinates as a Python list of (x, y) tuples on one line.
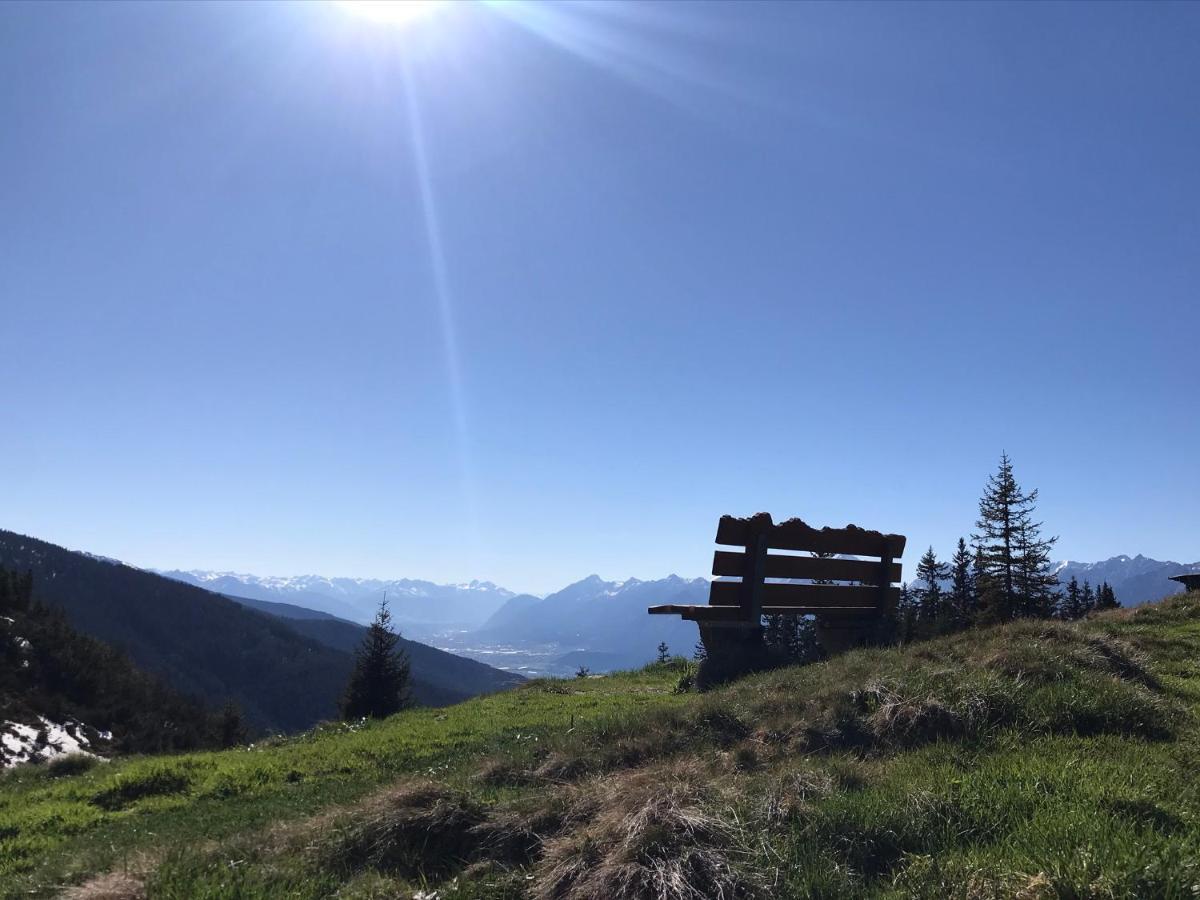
[(391, 12)]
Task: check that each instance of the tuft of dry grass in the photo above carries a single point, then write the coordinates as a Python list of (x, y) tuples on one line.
[(561, 768), (416, 829), (646, 835), (904, 720), (790, 798), (504, 773)]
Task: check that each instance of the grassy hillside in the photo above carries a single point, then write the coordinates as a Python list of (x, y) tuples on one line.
[(1028, 760)]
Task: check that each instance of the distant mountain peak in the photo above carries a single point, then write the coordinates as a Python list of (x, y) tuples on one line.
[(1134, 579)]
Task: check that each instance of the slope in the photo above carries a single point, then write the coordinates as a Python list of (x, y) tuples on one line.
[(62, 692), (1034, 759), (203, 644)]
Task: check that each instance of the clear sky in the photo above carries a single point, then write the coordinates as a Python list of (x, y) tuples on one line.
[(527, 292)]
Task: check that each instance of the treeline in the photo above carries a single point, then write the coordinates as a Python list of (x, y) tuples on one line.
[(49, 669), (1004, 573)]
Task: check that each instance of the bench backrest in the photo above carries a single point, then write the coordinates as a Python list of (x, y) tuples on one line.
[(866, 586)]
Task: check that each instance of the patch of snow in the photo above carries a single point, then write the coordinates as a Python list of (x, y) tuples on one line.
[(23, 743), (103, 559)]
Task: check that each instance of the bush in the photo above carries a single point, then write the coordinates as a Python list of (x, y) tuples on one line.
[(71, 764)]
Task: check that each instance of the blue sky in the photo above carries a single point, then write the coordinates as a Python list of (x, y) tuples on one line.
[(527, 292)]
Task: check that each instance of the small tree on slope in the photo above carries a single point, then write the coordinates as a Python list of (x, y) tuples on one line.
[(379, 684), (1071, 605), (1106, 598)]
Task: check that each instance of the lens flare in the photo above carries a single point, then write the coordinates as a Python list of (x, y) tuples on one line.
[(394, 13)]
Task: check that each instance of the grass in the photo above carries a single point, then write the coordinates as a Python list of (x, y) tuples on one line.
[(1030, 760)]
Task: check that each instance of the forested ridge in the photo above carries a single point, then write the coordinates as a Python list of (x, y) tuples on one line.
[(48, 670)]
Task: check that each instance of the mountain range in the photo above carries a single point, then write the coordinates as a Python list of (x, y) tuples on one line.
[(282, 646), (411, 601), (607, 618), (594, 622), (1134, 579)]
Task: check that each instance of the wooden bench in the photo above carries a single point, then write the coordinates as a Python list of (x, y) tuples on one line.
[(846, 612)]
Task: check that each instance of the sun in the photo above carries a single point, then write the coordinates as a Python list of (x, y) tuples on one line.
[(395, 13)]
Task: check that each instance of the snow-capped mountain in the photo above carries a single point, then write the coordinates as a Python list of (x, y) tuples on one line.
[(411, 601), (1134, 579)]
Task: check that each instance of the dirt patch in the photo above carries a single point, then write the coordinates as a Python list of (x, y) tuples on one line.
[(114, 886)]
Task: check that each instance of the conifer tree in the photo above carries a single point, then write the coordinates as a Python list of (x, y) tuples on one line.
[(1087, 599), (1037, 585), (379, 684), (962, 585), (699, 652), (1106, 598), (1013, 555), (664, 652), (931, 573), (231, 727), (1071, 605)]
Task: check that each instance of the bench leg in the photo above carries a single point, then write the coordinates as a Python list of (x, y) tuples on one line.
[(733, 649)]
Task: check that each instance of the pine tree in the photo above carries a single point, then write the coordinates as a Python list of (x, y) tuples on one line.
[(1071, 605), (664, 652), (16, 590), (699, 652), (1087, 599), (929, 597), (379, 684), (1037, 585), (231, 726), (962, 585), (1013, 555), (1106, 598)]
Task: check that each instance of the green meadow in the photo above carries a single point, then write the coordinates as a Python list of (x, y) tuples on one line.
[(1031, 760)]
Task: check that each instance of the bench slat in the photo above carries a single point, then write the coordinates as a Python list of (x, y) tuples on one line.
[(728, 562), (816, 596), (794, 534)]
